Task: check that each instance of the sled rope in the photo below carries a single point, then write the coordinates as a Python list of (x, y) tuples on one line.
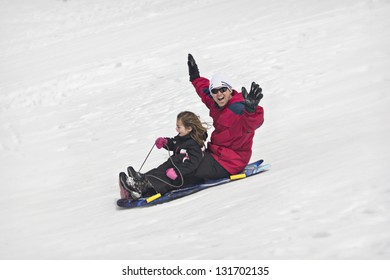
[(146, 157), (174, 165)]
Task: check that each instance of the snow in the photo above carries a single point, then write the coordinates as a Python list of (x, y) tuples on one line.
[(87, 86)]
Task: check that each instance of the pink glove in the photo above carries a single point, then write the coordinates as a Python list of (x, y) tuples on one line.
[(171, 174), (161, 142)]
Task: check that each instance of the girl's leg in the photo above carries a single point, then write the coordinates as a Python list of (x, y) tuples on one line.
[(157, 177)]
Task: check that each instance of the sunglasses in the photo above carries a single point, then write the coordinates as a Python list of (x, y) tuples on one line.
[(216, 90)]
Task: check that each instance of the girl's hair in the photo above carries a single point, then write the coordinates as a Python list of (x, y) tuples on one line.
[(199, 132)]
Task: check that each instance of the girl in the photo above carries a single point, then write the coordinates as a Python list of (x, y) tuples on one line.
[(177, 171)]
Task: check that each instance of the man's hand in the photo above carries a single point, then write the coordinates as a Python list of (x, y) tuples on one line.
[(252, 98), (192, 68)]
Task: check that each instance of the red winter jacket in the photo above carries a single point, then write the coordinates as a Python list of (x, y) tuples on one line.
[(231, 141)]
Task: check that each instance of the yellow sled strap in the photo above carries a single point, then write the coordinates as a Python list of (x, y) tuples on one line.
[(153, 197), (237, 176)]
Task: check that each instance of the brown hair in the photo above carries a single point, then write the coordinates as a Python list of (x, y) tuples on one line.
[(199, 131)]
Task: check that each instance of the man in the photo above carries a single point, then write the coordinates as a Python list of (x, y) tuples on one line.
[(235, 116)]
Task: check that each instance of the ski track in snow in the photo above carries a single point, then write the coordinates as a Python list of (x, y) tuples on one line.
[(87, 86)]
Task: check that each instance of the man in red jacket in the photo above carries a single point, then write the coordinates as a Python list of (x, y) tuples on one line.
[(235, 116)]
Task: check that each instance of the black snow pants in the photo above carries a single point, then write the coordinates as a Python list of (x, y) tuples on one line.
[(208, 169)]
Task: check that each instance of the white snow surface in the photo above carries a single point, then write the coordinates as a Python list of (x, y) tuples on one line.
[(87, 86)]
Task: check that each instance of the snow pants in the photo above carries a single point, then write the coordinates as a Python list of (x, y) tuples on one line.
[(162, 183), (208, 169)]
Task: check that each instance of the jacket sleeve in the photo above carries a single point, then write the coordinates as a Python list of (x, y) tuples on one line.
[(170, 144), (252, 121), (189, 162), (202, 89)]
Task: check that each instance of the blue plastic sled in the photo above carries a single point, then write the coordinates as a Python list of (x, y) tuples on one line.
[(250, 170)]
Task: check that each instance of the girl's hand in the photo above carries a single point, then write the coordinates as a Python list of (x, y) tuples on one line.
[(161, 142)]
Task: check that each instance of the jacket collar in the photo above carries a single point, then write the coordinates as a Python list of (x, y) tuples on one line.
[(236, 97), (182, 138)]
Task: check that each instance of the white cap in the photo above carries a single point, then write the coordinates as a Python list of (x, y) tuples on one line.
[(220, 80)]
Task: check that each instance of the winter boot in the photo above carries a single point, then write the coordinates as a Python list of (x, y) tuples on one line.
[(128, 185), (143, 187), (142, 184), (134, 174), (123, 192)]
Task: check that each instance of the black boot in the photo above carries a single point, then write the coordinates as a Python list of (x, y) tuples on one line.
[(127, 183), (134, 174), (136, 183)]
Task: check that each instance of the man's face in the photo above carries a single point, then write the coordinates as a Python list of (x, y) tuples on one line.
[(221, 95)]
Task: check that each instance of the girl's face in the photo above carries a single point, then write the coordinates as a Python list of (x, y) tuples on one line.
[(181, 129)]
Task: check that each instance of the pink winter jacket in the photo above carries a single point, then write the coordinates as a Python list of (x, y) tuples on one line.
[(231, 141)]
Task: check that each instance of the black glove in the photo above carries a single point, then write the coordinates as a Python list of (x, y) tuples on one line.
[(192, 68), (252, 98)]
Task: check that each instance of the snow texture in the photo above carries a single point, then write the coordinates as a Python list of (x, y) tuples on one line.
[(87, 86)]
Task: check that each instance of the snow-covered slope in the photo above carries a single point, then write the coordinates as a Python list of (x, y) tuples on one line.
[(86, 87)]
